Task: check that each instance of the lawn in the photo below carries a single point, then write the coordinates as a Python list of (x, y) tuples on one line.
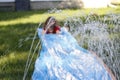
[(16, 33)]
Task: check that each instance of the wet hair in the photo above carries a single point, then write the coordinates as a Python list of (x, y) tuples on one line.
[(47, 22)]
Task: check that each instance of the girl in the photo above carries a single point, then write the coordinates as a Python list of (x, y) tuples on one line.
[(50, 26)]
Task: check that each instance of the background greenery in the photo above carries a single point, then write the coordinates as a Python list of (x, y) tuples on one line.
[(17, 30)]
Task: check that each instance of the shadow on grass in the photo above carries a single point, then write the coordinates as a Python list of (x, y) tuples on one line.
[(16, 37), (5, 16), (16, 40), (14, 70)]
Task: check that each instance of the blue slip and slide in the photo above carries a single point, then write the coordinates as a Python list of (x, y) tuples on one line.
[(61, 58)]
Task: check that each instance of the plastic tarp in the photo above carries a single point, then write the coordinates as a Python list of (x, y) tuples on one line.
[(61, 58)]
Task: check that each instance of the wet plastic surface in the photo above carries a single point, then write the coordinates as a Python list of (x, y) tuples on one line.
[(61, 58)]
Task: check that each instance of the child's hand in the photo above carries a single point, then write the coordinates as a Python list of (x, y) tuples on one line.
[(49, 25), (53, 22)]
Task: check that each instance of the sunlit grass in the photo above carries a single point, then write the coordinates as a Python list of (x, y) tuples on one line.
[(37, 16), (13, 57)]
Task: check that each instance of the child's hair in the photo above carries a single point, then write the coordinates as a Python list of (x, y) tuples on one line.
[(48, 21)]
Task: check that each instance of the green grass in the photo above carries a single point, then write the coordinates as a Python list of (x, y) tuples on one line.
[(15, 30)]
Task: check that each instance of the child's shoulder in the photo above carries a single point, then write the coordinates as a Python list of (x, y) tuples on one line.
[(57, 27)]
